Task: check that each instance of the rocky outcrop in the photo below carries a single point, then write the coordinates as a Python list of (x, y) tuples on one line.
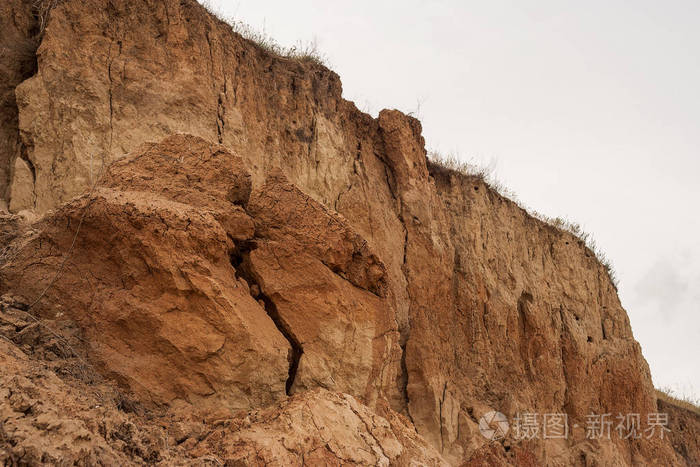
[(327, 253), (328, 290), (187, 72), (186, 289)]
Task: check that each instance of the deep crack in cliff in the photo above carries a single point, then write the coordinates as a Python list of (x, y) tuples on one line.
[(20, 63), (240, 260)]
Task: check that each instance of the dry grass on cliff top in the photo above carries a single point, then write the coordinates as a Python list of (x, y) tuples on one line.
[(685, 402), (42, 10), (302, 51), (453, 164)]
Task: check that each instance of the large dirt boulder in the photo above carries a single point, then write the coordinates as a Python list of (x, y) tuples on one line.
[(183, 292)]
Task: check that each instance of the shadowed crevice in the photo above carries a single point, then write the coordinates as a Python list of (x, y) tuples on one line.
[(240, 260), (404, 384)]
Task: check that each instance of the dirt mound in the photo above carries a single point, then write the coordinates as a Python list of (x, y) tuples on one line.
[(321, 428), (56, 410)]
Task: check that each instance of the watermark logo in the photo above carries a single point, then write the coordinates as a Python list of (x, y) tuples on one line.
[(493, 425), (527, 426)]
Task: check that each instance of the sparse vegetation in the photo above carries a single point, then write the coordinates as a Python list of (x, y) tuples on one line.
[(685, 402), (454, 164), (42, 11), (302, 51), (575, 229), (23, 48)]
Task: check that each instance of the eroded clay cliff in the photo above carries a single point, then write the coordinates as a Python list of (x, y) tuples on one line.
[(292, 243)]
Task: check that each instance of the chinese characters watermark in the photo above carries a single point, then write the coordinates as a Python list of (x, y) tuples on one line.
[(528, 426)]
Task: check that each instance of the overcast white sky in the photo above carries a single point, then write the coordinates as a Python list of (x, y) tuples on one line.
[(587, 110)]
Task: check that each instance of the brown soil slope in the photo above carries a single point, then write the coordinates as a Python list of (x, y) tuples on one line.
[(327, 253)]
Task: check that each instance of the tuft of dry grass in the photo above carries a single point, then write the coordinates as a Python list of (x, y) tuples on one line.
[(42, 11), (23, 49), (301, 51), (452, 163), (685, 402)]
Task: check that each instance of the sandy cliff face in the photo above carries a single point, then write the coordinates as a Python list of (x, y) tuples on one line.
[(300, 244)]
